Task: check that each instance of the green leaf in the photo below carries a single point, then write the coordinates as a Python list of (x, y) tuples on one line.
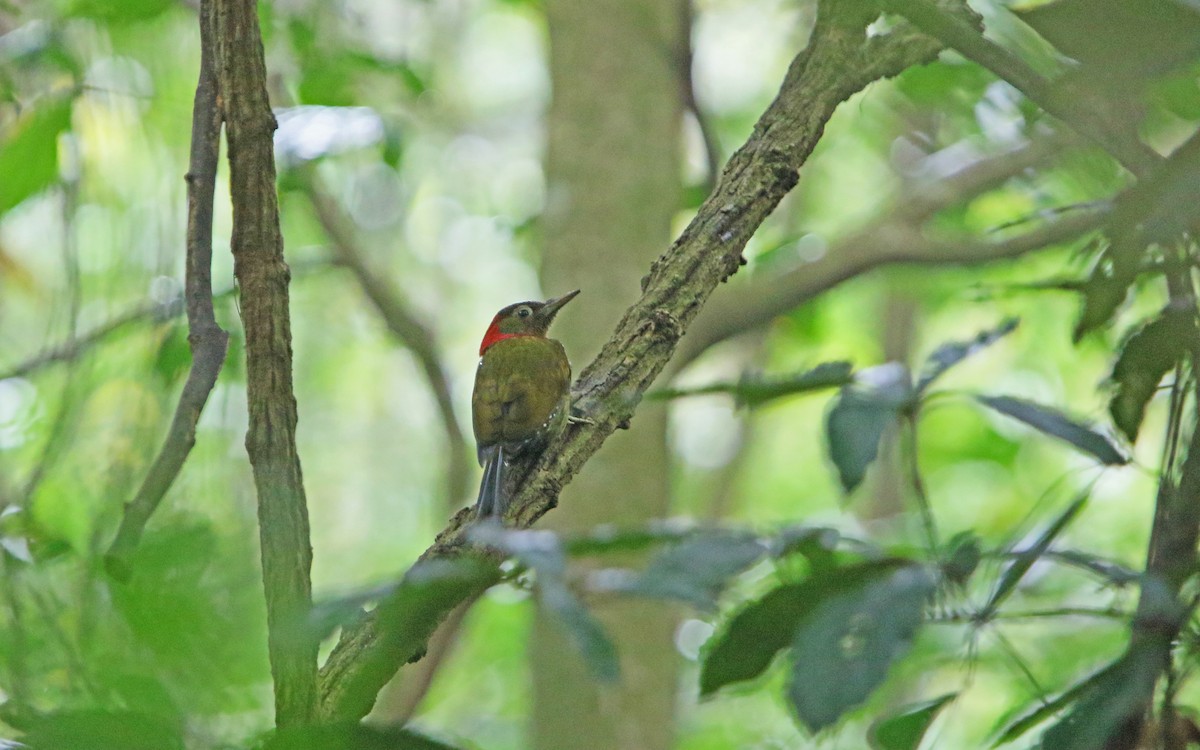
[(1146, 357), (949, 354), (124, 11), (965, 552), (861, 415), (1046, 709), (748, 643), (817, 543), (29, 153), (608, 538), (593, 643), (754, 391), (352, 736), (697, 569), (1103, 293), (845, 646), (543, 552), (1114, 699), (98, 729), (428, 581), (174, 356), (1056, 424), (1020, 566), (905, 729)]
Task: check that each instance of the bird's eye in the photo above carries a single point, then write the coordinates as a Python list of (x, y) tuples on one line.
[(524, 312)]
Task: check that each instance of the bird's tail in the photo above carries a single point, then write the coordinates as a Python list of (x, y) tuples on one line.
[(491, 500)]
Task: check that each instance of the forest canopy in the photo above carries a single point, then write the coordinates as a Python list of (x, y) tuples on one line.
[(882, 422)]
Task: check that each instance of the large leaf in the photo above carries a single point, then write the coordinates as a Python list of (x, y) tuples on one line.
[(754, 391), (845, 646), (697, 569), (543, 552), (593, 643), (860, 416), (352, 736), (949, 354), (1056, 424), (29, 153), (748, 643), (1146, 357), (1020, 566), (1114, 702), (905, 729), (97, 729), (1047, 708), (426, 584)]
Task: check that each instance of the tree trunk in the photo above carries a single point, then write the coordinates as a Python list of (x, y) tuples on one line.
[(613, 174)]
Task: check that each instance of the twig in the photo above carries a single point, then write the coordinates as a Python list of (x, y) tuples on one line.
[(406, 326), (208, 341), (1089, 118), (839, 61), (883, 245), (70, 350), (262, 275)]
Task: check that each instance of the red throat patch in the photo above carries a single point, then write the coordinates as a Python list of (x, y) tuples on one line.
[(494, 334)]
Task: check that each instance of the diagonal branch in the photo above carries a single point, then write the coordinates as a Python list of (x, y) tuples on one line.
[(840, 60), (895, 240), (1086, 114), (207, 339), (406, 326), (263, 276)]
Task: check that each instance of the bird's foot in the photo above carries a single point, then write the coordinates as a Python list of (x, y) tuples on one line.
[(576, 416)]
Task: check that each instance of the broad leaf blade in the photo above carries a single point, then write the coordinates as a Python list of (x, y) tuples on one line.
[(697, 569), (1056, 424), (860, 416), (905, 729), (1046, 709), (1015, 572), (949, 354), (1146, 357), (29, 157), (750, 640), (842, 651), (755, 392), (352, 736), (97, 729), (593, 643), (1114, 702), (542, 551)]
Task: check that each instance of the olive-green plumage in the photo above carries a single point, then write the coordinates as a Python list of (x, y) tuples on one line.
[(522, 392)]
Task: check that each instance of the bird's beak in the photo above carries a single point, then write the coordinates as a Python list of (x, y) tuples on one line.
[(551, 307)]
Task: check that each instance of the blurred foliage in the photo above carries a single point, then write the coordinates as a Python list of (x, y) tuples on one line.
[(822, 598)]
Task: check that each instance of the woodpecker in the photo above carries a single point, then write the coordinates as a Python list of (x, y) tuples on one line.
[(522, 393)]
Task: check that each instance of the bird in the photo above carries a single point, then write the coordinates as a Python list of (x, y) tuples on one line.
[(522, 393)]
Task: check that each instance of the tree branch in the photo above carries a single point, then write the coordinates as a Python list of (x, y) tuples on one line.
[(208, 341), (1086, 114), (263, 279), (839, 61), (406, 326)]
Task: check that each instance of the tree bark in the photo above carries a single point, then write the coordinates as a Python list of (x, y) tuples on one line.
[(263, 277), (613, 176)]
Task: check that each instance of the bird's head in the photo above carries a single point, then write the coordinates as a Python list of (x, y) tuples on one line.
[(524, 319)]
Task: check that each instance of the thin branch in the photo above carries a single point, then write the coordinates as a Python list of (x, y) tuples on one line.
[(208, 341), (839, 61), (263, 276), (762, 299), (72, 349), (406, 326), (1086, 114)]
